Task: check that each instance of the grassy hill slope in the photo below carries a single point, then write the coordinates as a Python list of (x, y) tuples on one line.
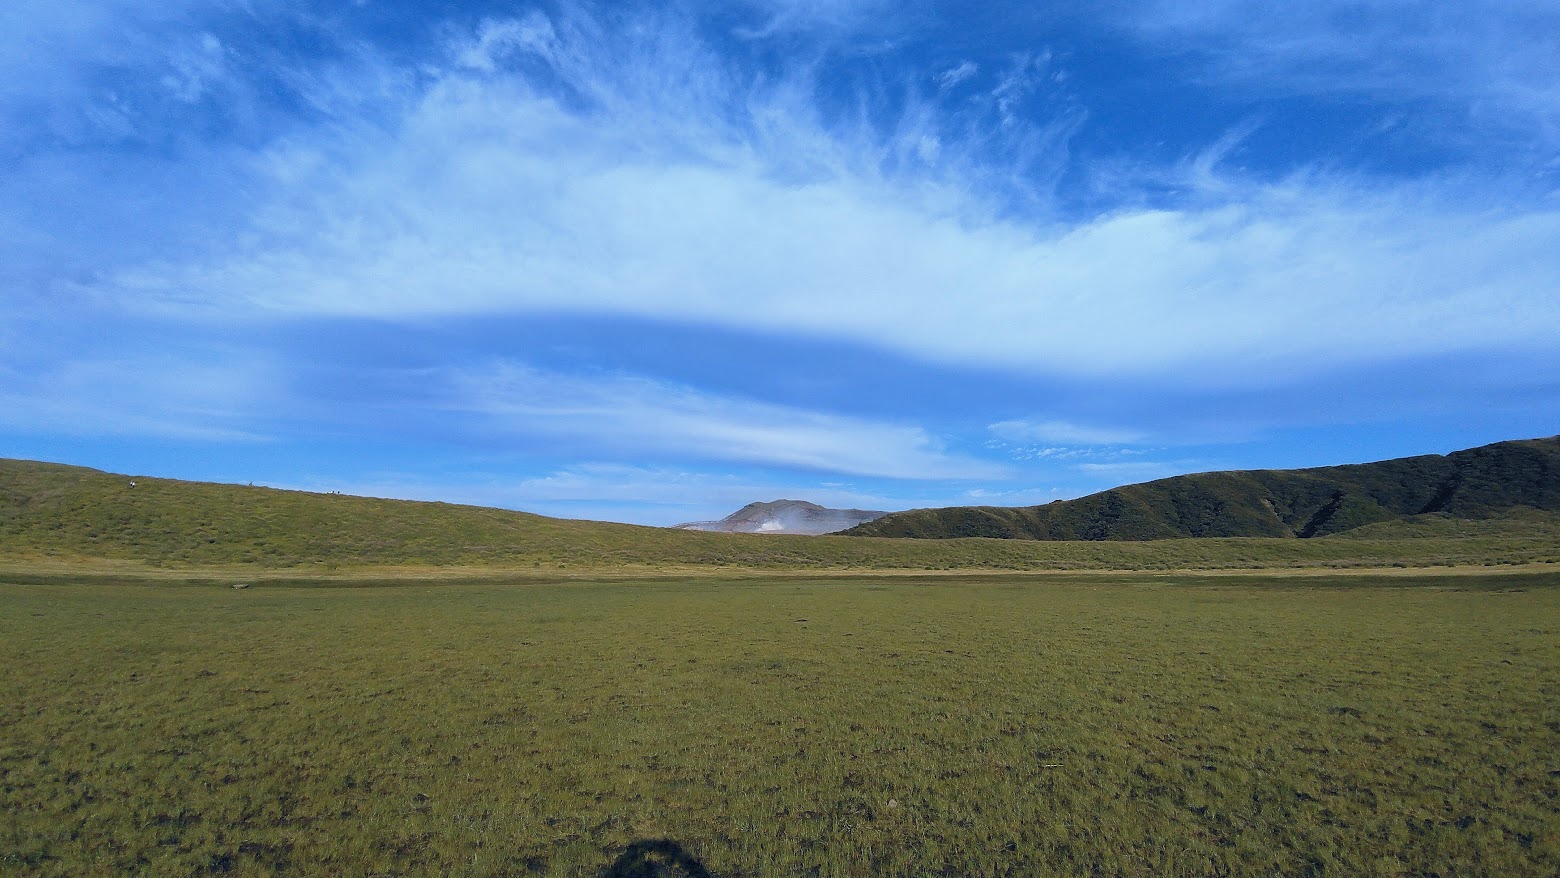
[(52, 508), (52, 514), (1477, 484)]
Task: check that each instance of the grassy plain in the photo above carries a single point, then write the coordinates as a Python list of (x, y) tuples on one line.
[(1023, 725)]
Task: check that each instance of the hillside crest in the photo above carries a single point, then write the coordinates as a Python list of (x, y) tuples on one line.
[(1478, 483)]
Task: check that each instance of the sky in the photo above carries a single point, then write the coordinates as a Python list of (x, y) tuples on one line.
[(651, 262)]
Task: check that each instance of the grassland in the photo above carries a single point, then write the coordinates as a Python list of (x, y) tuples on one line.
[(69, 517), (1005, 725)]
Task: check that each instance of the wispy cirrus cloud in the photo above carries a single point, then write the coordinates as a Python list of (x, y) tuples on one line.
[(1280, 282), (957, 74), (1493, 56), (92, 72), (137, 394), (1062, 432), (552, 169), (656, 420), (781, 18), (1134, 471)]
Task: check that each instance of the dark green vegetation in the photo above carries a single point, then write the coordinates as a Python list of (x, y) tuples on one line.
[(53, 514), (1339, 725), (1479, 483)]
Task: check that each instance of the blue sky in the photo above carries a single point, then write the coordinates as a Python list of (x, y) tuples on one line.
[(650, 262)]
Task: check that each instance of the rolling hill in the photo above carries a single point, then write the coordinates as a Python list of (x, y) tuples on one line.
[(1476, 484), (54, 516), (48, 508)]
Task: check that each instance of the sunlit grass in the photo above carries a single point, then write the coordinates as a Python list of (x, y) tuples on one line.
[(777, 727), (70, 517)]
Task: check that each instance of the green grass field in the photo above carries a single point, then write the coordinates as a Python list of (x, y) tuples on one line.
[(1083, 724)]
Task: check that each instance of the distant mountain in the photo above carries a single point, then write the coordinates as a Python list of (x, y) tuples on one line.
[(786, 517), (1479, 483)]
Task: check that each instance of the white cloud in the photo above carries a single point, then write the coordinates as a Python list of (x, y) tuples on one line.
[(1062, 432), (1025, 75), (1202, 171), (196, 66), (1132, 472), (953, 76), (783, 17), (137, 395), (54, 55), (1281, 283), (1013, 497), (648, 418), (500, 37), (1489, 54), (678, 188)]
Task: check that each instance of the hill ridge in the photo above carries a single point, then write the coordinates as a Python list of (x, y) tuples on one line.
[(57, 516), (1475, 483)]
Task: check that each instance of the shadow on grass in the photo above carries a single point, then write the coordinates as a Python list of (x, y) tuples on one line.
[(658, 858)]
